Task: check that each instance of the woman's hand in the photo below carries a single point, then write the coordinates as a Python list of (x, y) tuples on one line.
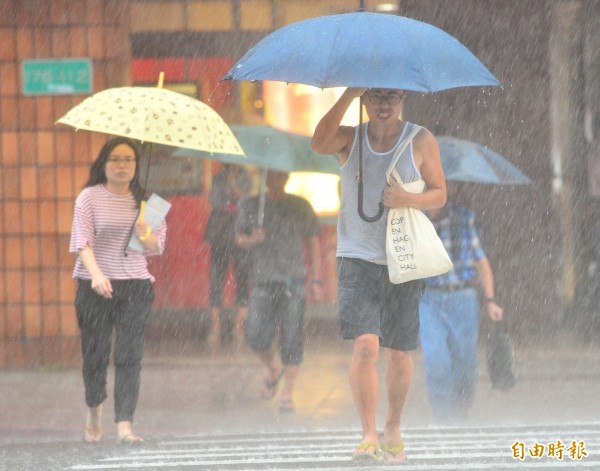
[(102, 286), (100, 283), (142, 230)]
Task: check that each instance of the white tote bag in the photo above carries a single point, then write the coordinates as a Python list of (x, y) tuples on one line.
[(412, 246)]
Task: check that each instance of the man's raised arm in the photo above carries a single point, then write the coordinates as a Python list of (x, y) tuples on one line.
[(330, 137)]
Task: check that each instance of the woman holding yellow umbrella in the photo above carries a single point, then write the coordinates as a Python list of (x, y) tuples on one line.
[(114, 286)]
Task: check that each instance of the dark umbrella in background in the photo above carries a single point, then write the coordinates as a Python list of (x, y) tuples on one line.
[(268, 148), (466, 161), (363, 49)]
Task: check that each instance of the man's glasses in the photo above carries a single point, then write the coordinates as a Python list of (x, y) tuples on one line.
[(121, 160), (378, 98)]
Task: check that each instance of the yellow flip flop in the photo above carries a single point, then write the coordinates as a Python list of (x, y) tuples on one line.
[(397, 453), (362, 455)]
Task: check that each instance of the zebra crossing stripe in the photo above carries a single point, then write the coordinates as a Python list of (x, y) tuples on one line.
[(428, 449)]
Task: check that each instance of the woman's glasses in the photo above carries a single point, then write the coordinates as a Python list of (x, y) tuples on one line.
[(121, 160), (378, 98)]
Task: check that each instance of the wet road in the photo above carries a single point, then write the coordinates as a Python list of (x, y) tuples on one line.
[(201, 411), (430, 448)]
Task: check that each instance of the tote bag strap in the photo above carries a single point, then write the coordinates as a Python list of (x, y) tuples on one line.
[(391, 171)]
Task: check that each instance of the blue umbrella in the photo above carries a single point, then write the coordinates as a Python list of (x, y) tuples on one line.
[(467, 161), (363, 49)]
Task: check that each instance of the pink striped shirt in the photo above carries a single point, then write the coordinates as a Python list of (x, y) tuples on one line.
[(104, 221)]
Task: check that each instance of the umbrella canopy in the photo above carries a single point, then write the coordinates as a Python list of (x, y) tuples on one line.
[(363, 49), (153, 115), (467, 161), (156, 115), (270, 148)]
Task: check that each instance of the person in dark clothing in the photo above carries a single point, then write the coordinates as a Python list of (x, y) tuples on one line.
[(229, 187), (277, 301)]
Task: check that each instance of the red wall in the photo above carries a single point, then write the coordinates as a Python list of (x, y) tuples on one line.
[(182, 271)]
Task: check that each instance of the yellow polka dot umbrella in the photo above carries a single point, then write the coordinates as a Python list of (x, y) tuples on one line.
[(156, 115)]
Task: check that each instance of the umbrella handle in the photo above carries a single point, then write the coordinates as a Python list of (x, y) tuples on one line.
[(262, 194), (361, 212), (141, 218)]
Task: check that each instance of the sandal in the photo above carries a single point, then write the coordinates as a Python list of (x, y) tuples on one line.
[(270, 387), (131, 439), (394, 454), (362, 455), (286, 405)]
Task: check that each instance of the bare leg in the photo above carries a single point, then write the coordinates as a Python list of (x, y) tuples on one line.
[(364, 384), (126, 435), (399, 375), (214, 336), (290, 374), (93, 424), (274, 372), (240, 323)]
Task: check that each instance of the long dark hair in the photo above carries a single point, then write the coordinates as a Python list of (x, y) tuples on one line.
[(98, 173)]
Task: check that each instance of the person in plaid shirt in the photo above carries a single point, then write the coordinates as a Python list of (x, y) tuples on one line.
[(449, 314)]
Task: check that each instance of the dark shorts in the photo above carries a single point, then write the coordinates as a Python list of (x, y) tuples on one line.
[(370, 304), (277, 310)]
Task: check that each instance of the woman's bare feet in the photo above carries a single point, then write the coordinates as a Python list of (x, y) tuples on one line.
[(126, 435), (93, 425)]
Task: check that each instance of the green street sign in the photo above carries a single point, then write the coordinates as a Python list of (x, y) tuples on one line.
[(57, 77)]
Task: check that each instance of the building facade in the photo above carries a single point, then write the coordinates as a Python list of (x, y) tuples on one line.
[(535, 253)]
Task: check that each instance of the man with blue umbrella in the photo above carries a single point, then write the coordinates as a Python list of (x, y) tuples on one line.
[(373, 311), (385, 53)]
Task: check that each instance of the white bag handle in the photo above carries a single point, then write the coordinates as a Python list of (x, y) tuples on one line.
[(391, 171)]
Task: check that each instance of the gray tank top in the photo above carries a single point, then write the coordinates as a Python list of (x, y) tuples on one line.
[(356, 237)]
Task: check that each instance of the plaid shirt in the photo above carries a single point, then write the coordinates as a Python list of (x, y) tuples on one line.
[(459, 232)]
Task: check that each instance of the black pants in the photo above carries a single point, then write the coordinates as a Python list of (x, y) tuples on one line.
[(127, 313), (222, 254)]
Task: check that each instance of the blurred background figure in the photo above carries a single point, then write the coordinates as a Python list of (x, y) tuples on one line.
[(229, 187), (590, 291), (278, 298), (450, 310)]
